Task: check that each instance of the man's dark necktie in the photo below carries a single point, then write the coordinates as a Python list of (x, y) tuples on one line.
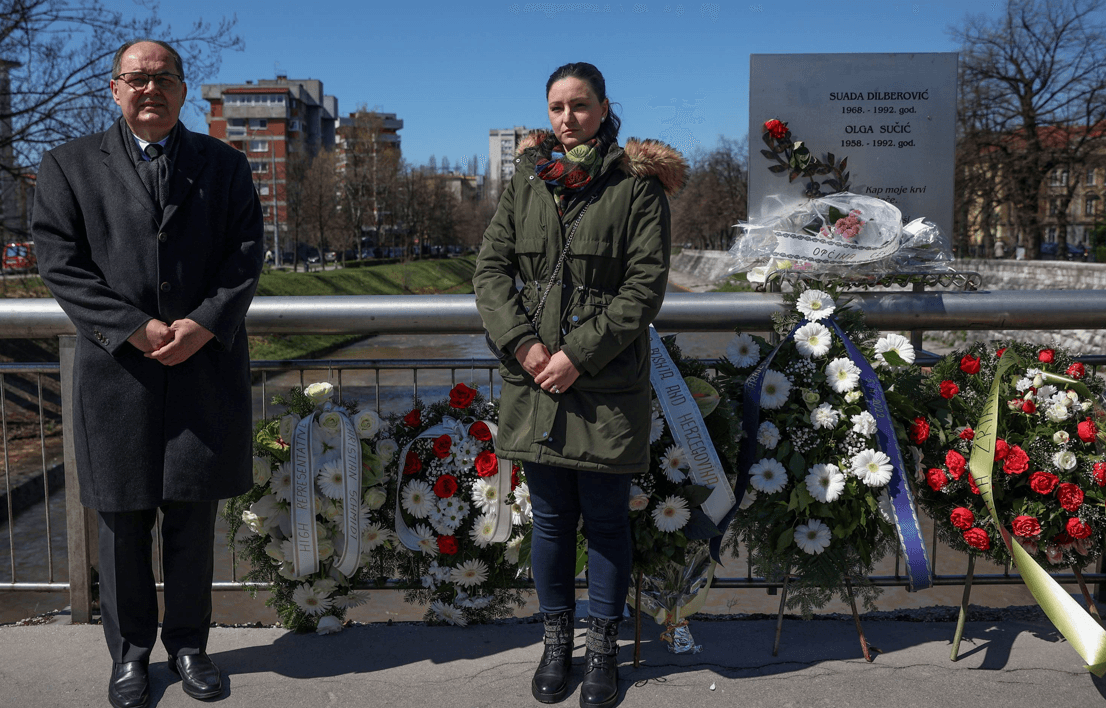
[(155, 173)]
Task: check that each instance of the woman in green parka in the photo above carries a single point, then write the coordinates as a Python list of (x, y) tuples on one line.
[(584, 226)]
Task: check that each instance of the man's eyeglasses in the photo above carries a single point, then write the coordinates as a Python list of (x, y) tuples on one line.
[(138, 80)]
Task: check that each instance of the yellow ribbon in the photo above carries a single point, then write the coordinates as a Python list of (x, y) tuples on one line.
[(1080, 630)]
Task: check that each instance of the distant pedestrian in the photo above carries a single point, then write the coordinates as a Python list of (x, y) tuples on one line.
[(575, 402), (1000, 248)]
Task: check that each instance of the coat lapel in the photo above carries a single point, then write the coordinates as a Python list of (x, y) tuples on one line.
[(190, 161), (119, 163)]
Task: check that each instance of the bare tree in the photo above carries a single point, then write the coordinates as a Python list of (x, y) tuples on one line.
[(1041, 68), (58, 56), (715, 197), (319, 195)]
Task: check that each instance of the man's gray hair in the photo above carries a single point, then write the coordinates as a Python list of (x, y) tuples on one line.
[(118, 58)]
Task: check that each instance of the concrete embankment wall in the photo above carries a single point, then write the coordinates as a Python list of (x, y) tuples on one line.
[(997, 275)]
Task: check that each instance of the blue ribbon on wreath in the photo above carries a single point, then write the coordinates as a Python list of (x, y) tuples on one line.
[(918, 569)]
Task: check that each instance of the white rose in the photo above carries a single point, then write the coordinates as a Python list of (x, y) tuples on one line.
[(510, 553), (288, 427), (319, 392), (638, 498), (254, 522), (367, 423), (852, 396), (331, 422), (375, 497), (329, 625), (326, 548), (1057, 413), (1085, 406), (1065, 459), (262, 470), (1060, 437), (386, 449)]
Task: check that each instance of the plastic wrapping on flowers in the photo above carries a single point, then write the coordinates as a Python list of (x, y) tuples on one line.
[(670, 530), (259, 522), (447, 491), (817, 507), (1048, 476)]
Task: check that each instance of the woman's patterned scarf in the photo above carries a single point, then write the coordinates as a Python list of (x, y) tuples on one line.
[(573, 171)]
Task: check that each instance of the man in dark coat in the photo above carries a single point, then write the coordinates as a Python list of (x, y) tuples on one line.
[(150, 238)]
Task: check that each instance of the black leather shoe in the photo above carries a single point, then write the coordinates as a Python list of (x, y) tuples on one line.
[(199, 676), (600, 686), (130, 685), (550, 683)]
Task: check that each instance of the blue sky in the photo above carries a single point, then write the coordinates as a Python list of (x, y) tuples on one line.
[(453, 70)]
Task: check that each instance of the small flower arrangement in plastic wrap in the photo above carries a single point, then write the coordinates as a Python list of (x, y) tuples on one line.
[(824, 491), (317, 523), (1048, 476), (670, 527), (461, 512)]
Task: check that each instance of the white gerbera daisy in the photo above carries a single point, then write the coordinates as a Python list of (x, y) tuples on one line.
[(1065, 460), (374, 536), (512, 549), (482, 530), (418, 499), (872, 467), (281, 482), (864, 424), (427, 541), (470, 573), (743, 351), (815, 305), (673, 462), (386, 449), (824, 416), (813, 340), (354, 598), (485, 493), (768, 435), (768, 476), (671, 514), (774, 389), (448, 613), (331, 480), (656, 426), (308, 599), (825, 482), (842, 375), (813, 537), (895, 343)]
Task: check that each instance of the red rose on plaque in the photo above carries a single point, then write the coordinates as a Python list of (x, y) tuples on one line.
[(1087, 430), (936, 479), (487, 464), (967, 434), (446, 486), (1100, 473), (969, 364), (919, 432), (956, 463), (413, 419), (447, 545), (1070, 496), (1043, 482), (1077, 529), (480, 431), (1017, 461), (442, 444), (1029, 407), (776, 129), (1002, 449), (460, 396), (412, 464), (949, 389), (1046, 356), (1026, 526), (962, 518), (977, 538), (1076, 370)]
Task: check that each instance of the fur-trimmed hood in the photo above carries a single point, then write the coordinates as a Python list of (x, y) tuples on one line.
[(640, 158)]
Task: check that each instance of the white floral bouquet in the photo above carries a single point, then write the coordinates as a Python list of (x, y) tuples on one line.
[(260, 521), (449, 493), (817, 506)]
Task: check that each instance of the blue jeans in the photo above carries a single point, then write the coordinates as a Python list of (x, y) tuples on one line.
[(559, 496)]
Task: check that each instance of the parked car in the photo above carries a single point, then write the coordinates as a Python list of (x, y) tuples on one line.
[(19, 257)]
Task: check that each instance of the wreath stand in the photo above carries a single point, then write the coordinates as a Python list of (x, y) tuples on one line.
[(866, 649), (962, 618)]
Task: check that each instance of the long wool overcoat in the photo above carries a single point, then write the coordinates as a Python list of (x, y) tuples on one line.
[(598, 313), (146, 433)]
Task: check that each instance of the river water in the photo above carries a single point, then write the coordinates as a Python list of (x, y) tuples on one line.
[(395, 395)]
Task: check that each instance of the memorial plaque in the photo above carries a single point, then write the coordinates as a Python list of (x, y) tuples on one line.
[(893, 116)]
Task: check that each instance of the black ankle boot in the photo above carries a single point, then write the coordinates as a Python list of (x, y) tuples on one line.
[(600, 686), (550, 683)]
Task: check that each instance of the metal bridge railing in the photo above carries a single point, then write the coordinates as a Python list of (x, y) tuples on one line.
[(456, 314)]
